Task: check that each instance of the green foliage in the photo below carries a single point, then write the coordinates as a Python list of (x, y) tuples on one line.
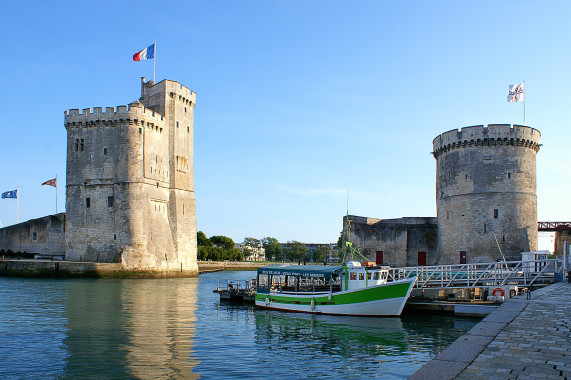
[(223, 242), (340, 242), (320, 254), (272, 248), (252, 242), (296, 251), (202, 240), (217, 248), (219, 254)]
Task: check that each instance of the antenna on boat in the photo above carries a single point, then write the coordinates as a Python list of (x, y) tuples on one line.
[(353, 251)]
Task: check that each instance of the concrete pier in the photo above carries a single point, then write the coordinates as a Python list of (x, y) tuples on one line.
[(523, 339)]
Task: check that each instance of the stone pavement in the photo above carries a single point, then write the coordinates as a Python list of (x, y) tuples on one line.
[(522, 339)]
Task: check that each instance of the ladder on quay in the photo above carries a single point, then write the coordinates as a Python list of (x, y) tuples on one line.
[(523, 274)]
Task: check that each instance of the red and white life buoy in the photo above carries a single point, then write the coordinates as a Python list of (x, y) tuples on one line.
[(498, 292)]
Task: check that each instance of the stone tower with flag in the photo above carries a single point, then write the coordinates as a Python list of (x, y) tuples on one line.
[(130, 182), (486, 193)]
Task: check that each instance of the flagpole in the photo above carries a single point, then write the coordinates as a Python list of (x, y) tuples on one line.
[(155, 61), (17, 200), (524, 102), (56, 193)]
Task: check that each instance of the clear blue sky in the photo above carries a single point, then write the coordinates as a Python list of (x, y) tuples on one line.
[(297, 101)]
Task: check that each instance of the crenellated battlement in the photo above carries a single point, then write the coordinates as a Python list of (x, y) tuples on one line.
[(133, 111), (480, 135), (174, 90), (182, 92)]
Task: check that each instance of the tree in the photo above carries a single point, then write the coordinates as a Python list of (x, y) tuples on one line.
[(217, 248), (273, 248), (287, 253), (223, 242), (202, 240), (319, 254), (298, 250)]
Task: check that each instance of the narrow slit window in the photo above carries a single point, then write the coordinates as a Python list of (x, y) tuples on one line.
[(496, 213), (87, 202), (110, 201)]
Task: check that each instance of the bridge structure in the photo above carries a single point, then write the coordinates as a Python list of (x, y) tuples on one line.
[(510, 274), (554, 226), (562, 232)]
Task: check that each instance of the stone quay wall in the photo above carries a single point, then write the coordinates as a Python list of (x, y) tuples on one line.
[(63, 269), (486, 190)]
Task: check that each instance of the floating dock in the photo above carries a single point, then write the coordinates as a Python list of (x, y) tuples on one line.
[(237, 291)]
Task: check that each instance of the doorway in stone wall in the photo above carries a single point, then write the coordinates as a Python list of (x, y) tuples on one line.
[(379, 258), (421, 259), (462, 257)]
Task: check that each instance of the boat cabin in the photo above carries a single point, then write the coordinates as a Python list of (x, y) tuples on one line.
[(316, 279), (360, 276)]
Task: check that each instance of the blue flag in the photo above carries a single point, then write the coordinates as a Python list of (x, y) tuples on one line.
[(10, 194)]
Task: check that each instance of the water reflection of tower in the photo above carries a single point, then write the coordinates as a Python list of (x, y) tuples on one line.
[(131, 328)]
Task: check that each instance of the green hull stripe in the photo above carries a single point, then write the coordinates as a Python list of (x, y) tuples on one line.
[(357, 296)]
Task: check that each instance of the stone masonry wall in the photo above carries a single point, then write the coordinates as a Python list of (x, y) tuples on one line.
[(560, 237), (400, 240), (44, 236)]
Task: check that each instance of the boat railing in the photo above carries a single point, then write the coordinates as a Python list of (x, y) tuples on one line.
[(236, 286), (518, 273)]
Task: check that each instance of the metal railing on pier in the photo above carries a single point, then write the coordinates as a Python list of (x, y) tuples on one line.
[(515, 273)]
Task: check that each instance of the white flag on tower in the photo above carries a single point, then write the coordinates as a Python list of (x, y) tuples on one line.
[(516, 93)]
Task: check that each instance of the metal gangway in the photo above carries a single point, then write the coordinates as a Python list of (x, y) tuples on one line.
[(523, 274)]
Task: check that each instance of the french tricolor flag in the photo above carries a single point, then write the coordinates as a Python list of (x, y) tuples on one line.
[(148, 53)]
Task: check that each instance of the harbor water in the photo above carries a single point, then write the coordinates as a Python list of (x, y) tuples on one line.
[(178, 329)]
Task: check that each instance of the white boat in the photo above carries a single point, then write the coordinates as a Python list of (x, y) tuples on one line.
[(352, 289)]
